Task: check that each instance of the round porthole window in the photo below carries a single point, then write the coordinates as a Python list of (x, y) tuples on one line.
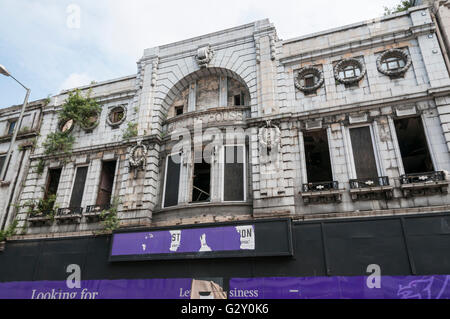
[(394, 63), (66, 126), (309, 79), (90, 122), (116, 116), (349, 71)]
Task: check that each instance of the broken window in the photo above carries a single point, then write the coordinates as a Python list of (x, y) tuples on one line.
[(78, 187), (393, 63), (413, 145), (54, 175), (117, 114), (317, 155), (363, 152), (234, 174), (239, 99), (201, 180), (172, 181), (11, 127), (106, 183)]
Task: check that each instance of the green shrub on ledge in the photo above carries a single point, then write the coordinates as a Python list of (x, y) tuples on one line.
[(80, 109), (58, 142)]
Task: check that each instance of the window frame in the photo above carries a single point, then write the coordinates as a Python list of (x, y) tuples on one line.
[(74, 177), (163, 199)]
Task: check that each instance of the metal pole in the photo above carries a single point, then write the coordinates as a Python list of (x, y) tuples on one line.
[(16, 131)]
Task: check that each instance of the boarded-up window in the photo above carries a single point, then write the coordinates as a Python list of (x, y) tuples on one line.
[(317, 155), (233, 175), (2, 162), (413, 145), (172, 181), (363, 152), (106, 183), (54, 175), (78, 187)]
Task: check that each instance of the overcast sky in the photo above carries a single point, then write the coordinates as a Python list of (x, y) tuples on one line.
[(44, 45)]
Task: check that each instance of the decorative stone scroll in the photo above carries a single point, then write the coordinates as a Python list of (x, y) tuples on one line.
[(270, 136), (138, 156), (204, 56)]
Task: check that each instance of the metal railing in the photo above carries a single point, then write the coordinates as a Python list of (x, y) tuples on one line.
[(369, 182), (422, 177), (319, 187)]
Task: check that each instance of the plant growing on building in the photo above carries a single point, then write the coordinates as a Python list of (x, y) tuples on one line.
[(80, 109), (40, 167), (109, 216), (404, 5), (43, 207), (58, 142), (9, 231), (130, 132)]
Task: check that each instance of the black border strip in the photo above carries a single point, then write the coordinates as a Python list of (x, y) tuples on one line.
[(206, 255)]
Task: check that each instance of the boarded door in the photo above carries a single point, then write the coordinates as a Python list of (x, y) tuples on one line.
[(106, 183), (233, 187), (363, 154), (172, 182), (78, 187)]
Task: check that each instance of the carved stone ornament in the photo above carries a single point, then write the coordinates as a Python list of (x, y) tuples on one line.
[(138, 155), (401, 56), (300, 82), (204, 56), (343, 66), (269, 136)]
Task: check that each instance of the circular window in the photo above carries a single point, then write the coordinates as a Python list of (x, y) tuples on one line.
[(349, 71), (116, 116), (394, 63), (309, 79), (66, 126), (90, 122)]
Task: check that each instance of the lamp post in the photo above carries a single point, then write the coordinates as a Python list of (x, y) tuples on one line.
[(5, 72)]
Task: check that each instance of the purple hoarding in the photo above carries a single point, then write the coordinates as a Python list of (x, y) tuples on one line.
[(410, 287), (216, 239)]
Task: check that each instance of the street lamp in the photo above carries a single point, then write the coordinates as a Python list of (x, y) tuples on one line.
[(5, 72)]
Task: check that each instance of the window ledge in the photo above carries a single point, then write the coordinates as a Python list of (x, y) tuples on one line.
[(425, 188), (4, 183), (322, 197), (70, 219), (371, 193), (40, 220), (200, 205)]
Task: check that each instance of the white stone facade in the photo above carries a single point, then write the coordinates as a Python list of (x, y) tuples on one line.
[(201, 78)]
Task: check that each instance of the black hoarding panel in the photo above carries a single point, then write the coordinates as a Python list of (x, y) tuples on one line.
[(429, 244), (354, 245)]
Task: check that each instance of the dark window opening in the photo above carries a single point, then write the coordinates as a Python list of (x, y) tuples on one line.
[(11, 127), (413, 145), (201, 182), (54, 175), (237, 100), (234, 174), (78, 187), (309, 80), (317, 154), (106, 183), (363, 153), (172, 181), (179, 110)]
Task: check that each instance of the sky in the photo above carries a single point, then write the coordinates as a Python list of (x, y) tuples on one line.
[(52, 45)]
